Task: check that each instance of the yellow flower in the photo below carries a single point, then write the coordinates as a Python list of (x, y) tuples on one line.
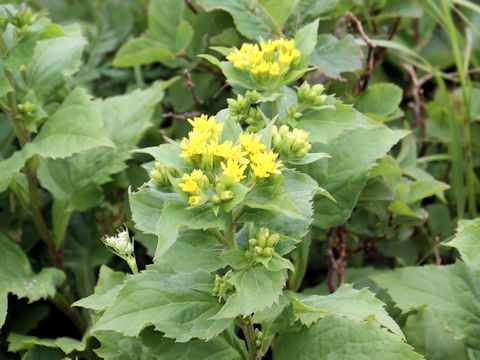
[(227, 151), (274, 69), (263, 164), (205, 124), (196, 175), (195, 200), (234, 170), (205, 129), (189, 186), (251, 144)]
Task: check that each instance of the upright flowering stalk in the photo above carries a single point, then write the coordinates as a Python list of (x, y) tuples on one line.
[(122, 246)]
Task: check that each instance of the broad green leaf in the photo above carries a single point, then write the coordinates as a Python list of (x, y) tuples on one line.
[(428, 337), (450, 293), (18, 278), (21, 54), (176, 214), (3, 308), (146, 206), (421, 189), (345, 174), (279, 10), (141, 51), (347, 302), (5, 86), (306, 38), (467, 240), (43, 353), (52, 31), (333, 57), (254, 22), (151, 345), (167, 155), (406, 8), (235, 258), (326, 124), (337, 338), (171, 303), (53, 61), (309, 158), (166, 25), (18, 342), (379, 100), (231, 128), (75, 127), (75, 181), (107, 288), (9, 167), (256, 288), (193, 250)]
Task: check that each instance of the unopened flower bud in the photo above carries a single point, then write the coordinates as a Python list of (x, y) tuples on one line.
[(258, 250), (258, 334), (258, 343), (226, 195), (27, 108), (253, 96), (215, 199), (196, 200), (268, 251), (253, 242), (301, 153), (272, 240)]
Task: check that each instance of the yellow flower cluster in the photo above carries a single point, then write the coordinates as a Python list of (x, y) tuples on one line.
[(194, 184), (203, 142), (270, 58)]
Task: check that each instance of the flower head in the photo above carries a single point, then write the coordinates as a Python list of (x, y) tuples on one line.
[(234, 169), (251, 144), (264, 164)]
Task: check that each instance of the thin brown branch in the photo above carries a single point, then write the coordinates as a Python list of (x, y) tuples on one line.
[(210, 69), (366, 246), (419, 108), (360, 29), (191, 7), (191, 86), (392, 33), (438, 259), (181, 116), (332, 263), (341, 248)]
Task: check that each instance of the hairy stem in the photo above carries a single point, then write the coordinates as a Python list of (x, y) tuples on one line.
[(230, 240), (249, 332)]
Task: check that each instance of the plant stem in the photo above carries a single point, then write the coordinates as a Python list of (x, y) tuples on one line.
[(230, 233), (249, 332)]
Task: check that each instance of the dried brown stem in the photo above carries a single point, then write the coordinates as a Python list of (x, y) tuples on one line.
[(191, 7), (360, 29), (191, 86), (419, 109), (332, 263), (182, 116), (366, 246), (341, 248), (382, 50)]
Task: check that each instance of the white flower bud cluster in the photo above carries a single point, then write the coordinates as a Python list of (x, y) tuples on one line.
[(121, 243)]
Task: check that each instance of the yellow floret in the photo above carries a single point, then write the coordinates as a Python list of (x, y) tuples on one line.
[(274, 69), (234, 170), (189, 186), (205, 124), (251, 144), (263, 164), (196, 175)]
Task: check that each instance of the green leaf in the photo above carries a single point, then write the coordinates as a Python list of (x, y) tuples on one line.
[(18, 278), (251, 20), (54, 60), (3, 308), (467, 240), (379, 100), (176, 214), (450, 293), (21, 54), (231, 128), (193, 250), (141, 51), (107, 288), (52, 31), (326, 124), (306, 38), (406, 8), (347, 302), (345, 174), (421, 189), (9, 167), (75, 127), (428, 337), (43, 353), (151, 345), (171, 303), (18, 342), (5, 86), (333, 57), (256, 288), (337, 338), (309, 158), (279, 10), (167, 155), (235, 258)]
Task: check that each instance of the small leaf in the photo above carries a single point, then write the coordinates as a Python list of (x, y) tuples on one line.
[(379, 100), (306, 38), (467, 240), (141, 51), (309, 158)]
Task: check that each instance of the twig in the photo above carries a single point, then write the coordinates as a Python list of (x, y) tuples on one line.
[(418, 106), (191, 86), (224, 86), (191, 7), (371, 46), (341, 262), (332, 263), (366, 246), (181, 116), (438, 259), (382, 50)]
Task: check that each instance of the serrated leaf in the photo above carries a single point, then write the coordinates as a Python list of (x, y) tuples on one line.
[(256, 288), (333, 57), (345, 174), (9, 167), (18, 278), (326, 124), (337, 338), (53, 61), (21, 54), (169, 302), (151, 345), (450, 293), (75, 127), (18, 342), (176, 214), (467, 240), (167, 155), (251, 21), (347, 302)]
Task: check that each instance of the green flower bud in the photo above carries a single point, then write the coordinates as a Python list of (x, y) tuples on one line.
[(253, 242), (263, 235), (215, 199), (301, 153), (27, 108), (272, 240), (253, 96), (258, 334), (259, 250), (226, 195), (25, 18), (268, 251), (248, 255), (258, 343)]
